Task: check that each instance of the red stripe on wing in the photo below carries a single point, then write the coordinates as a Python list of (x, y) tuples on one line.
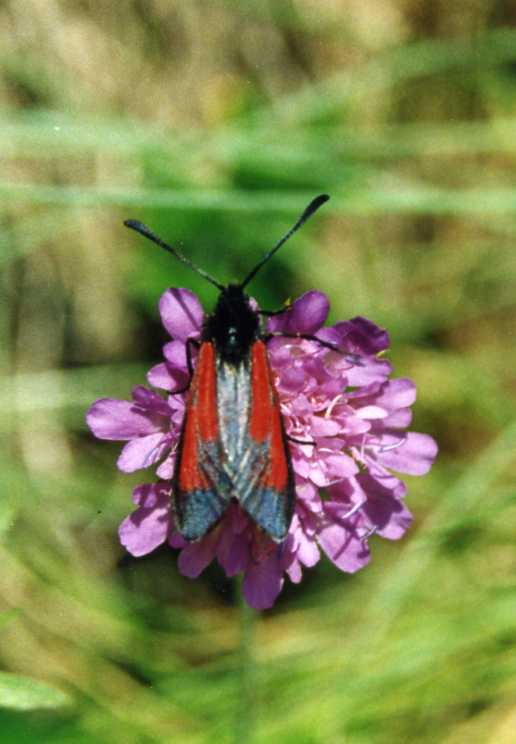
[(265, 421), (200, 419), (207, 392)]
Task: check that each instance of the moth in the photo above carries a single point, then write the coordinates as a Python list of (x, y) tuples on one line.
[(233, 444)]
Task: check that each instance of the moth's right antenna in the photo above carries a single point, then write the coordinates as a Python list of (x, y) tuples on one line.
[(309, 211)]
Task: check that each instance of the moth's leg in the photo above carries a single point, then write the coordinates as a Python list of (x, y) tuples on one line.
[(190, 343), (355, 359), (299, 441), (271, 313)]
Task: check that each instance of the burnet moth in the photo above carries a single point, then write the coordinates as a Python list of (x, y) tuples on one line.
[(233, 443)]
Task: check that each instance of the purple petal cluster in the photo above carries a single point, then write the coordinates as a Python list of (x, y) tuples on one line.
[(351, 415)]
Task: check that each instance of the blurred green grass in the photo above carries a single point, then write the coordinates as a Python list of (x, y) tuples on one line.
[(215, 124)]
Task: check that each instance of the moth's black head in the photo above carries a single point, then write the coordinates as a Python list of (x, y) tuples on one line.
[(233, 326)]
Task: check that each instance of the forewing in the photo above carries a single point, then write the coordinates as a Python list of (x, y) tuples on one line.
[(199, 498), (267, 491)]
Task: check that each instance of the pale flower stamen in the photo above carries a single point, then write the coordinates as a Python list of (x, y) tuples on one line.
[(332, 405)]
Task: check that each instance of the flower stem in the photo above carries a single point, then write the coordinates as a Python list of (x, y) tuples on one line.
[(245, 712)]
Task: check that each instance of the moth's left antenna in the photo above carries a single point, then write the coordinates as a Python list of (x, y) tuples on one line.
[(139, 227)]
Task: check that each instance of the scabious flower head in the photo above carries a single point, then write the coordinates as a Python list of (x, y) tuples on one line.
[(352, 416)]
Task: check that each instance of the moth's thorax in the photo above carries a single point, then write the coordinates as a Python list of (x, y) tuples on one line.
[(233, 326)]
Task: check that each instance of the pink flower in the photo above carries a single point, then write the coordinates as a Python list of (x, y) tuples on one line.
[(354, 418)]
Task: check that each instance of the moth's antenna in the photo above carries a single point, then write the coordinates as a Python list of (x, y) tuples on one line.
[(309, 211), (139, 227)]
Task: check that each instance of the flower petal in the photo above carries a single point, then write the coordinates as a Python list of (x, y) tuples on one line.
[(146, 528), (196, 556), (373, 370), (361, 335), (386, 480), (306, 315), (324, 427), (292, 380), (150, 400), (176, 540), (142, 452), (398, 393), (175, 354), (307, 551), (308, 497), (399, 419), (150, 495), (371, 412), (181, 313), (263, 582), (166, 469), (119, 420), (343, 547), (233, 552), (318, 474), (341, 465), (387, 514), (398, 522), (164, 377), (294, 571), (414, 456)]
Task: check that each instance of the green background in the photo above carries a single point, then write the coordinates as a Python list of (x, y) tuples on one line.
[(215, 122)]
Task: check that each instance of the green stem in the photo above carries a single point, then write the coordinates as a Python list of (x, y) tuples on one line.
[(245, 712)]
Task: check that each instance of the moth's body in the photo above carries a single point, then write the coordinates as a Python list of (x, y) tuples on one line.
[(233, 444)]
